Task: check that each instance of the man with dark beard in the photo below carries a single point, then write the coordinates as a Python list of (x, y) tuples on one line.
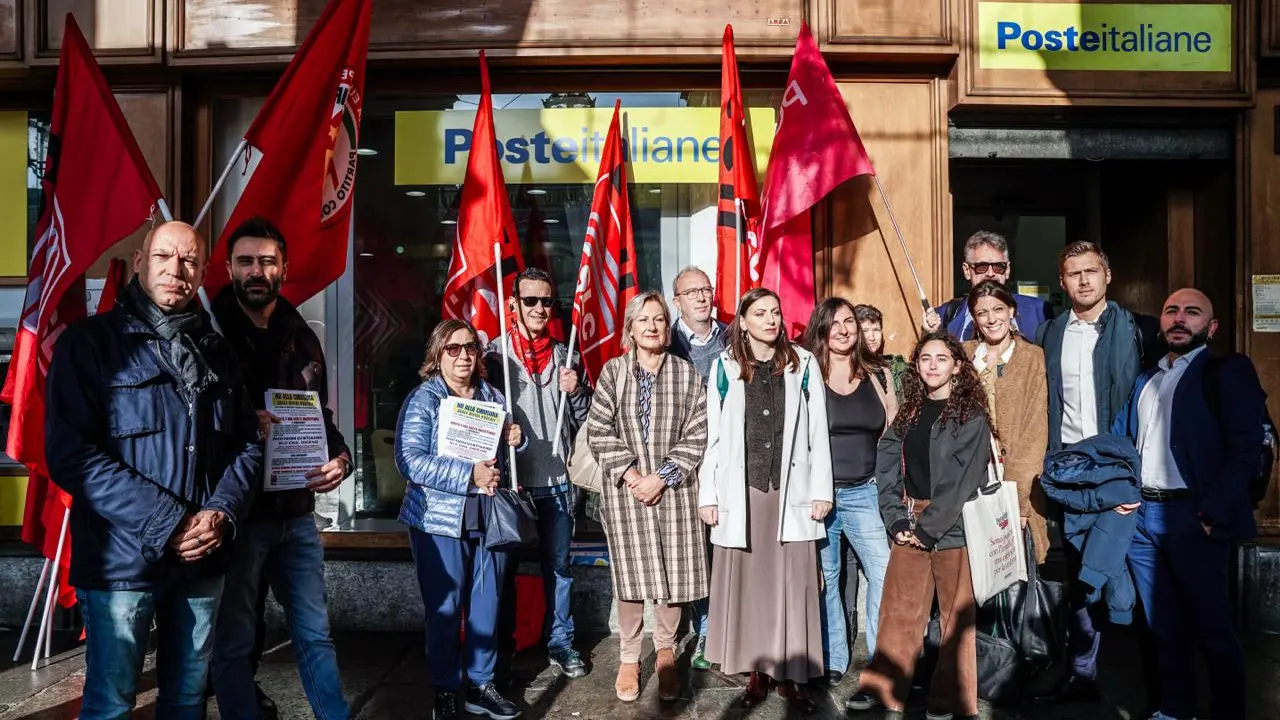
[(1197, 423), (280, 544)]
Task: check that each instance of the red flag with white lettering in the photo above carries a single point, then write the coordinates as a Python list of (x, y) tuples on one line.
[(484, 219), (97, 191), (607, 276), (739, 259), (815, 148)]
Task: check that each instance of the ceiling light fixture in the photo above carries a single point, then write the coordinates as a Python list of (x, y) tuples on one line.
[(536, 191), (366, 151), (415, 193), (551, 221)]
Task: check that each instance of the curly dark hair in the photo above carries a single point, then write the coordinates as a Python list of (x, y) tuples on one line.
[(968, 397)]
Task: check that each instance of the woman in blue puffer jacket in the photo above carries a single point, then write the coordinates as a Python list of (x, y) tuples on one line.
[(444, 506)]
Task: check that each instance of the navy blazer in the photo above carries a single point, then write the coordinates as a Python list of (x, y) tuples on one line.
[(1217, 455)]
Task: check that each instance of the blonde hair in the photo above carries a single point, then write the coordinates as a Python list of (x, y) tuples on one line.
[(633, 309)]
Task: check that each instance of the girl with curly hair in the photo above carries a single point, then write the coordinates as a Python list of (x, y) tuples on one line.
[(930, 462)]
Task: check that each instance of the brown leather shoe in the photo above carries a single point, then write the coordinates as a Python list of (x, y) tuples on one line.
[(757, 690), (627, 686), (798, 696), (668, 678)]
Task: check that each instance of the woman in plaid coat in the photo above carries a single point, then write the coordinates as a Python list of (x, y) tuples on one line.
[(648, 430)]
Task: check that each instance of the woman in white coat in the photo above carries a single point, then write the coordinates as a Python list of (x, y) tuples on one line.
[(766, 507)]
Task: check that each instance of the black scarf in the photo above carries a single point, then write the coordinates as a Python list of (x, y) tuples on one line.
[(182, 332)]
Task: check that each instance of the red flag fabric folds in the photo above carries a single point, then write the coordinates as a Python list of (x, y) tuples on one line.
[(815, 148), (607, 275), (484, 219), (97, 190), (739, 260), (308, 133)]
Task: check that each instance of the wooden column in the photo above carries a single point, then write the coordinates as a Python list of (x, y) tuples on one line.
[(1259, 254)]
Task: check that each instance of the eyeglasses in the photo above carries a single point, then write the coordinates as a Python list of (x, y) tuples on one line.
[(453, 350), (697, 292), (547, 301), (982, 267)]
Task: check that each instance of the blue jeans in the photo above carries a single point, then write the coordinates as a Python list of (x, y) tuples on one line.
[(856, 516), (118, 625), (288, 555), (555, 531), (457, 577), (1182, 578)]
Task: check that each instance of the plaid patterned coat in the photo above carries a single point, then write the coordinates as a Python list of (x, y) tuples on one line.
[(659, 552)]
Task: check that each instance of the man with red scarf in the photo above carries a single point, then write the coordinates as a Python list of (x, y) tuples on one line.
[(540, 373)]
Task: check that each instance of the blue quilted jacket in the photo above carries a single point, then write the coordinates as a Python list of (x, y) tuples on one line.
[(438, 486)]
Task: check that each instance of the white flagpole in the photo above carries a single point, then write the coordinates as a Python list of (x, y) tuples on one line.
[(924, 299), (506, 370), (31, 611), (45, 634), (737, 253), (564, 398), (217, 187)]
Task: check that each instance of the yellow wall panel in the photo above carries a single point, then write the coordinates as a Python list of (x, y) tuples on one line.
[(13, 195), (13, 498)]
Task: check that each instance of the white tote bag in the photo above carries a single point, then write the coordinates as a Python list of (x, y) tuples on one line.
[(993, 534)]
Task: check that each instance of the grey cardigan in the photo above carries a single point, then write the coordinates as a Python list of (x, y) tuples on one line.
[(958, 458)]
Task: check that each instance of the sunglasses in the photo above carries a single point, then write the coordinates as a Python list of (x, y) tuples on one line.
[(547, 301), (453, 350), (982, 267)]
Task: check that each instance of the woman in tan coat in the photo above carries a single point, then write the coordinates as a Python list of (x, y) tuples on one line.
[(1012, 371), (647, 430)]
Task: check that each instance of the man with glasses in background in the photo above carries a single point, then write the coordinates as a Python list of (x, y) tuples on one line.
[(539, 371), (699, 338), (986, 257)]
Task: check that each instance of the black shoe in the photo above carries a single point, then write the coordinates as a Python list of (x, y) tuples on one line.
[(486, 700), (446, 707), (266, 706), (832, 678), (1074, 689), (862, 702), (568, 661)]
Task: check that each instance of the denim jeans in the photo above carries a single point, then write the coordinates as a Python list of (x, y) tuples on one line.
[(288, 555), (555, 531), (118, 625), (856, 516)]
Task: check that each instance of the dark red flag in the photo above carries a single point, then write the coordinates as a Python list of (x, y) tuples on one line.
[(816, 147), (484, 220), (739, 259), (97, 190), (308, 133), (607, 276)]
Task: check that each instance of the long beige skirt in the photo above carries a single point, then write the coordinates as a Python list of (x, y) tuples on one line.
[(764, 614)]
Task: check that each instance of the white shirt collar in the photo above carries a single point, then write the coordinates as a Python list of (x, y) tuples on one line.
[(692, 337), (1166, 364), (1074, 319), (980, 355)]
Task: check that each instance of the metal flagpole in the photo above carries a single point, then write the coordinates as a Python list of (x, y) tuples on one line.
[(924, 299), (217, 187), (564, 397), (31, 611), (506, 369), (45, 634)]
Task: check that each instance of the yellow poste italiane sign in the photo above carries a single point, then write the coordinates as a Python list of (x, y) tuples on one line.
[(666, 145), (1093, 36)]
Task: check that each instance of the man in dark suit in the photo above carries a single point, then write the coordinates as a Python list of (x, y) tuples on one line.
[(1197, 423)]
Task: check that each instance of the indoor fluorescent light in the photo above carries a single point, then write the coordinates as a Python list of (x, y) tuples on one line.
[(415, 193), (536, 191), (366, 151)]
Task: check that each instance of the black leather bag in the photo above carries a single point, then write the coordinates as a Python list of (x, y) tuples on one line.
[(1039, 608), (511, 522)]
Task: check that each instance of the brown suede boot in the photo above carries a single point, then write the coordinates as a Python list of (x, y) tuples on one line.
[(627, 686), (668, 678)]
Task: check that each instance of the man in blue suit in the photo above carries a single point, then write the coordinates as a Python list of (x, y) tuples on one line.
[(986, 257), (1198, 458)]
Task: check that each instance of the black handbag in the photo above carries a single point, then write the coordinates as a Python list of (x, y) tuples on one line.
[(1040, 608), (511, 522)]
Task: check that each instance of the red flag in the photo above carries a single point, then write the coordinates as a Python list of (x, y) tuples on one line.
[(484, 219), (97, 190), (112, 286), (816, 147), (738, 259), (308, 133), (607, 276)]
